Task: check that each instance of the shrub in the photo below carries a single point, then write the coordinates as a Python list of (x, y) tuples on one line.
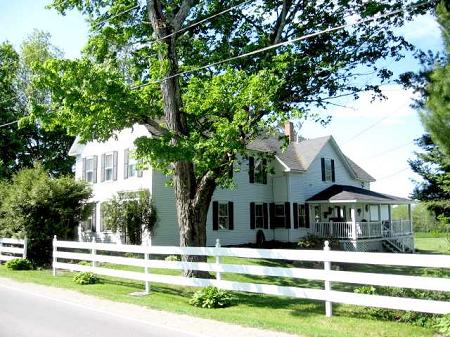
[(442, 324), (415, 318), (173, 258), (211, 297), (314, 242), (85, 278), (38, 207), (19, 264)]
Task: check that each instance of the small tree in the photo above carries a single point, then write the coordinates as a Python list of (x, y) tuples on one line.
[(39, 207), (130, 213)]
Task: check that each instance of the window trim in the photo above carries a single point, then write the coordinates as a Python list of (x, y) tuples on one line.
[(227, 217), (302, 221), (111, 168), (257, 226)]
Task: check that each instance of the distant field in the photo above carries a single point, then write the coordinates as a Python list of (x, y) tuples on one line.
[(432, 243)]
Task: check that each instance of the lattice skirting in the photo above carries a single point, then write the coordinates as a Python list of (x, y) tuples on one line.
[(361, 245)]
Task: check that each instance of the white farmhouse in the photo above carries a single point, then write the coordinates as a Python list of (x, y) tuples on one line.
[(314, 189)]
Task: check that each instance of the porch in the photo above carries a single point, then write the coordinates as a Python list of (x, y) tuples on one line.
[(361, 219)]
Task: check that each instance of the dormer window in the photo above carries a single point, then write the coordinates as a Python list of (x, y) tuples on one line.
[(328, 172), (257, 170)]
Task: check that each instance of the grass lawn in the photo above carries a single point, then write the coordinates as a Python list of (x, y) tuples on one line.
[(296, 316), (432, 243)]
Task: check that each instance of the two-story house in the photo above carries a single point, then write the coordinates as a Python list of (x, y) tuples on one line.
[(313, 189)]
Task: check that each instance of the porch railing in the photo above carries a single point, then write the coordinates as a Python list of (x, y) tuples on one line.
[(364, 230), (370, 229), (339, 230)]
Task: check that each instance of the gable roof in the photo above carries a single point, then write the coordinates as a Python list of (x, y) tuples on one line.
[(299, 155), (342, 193)]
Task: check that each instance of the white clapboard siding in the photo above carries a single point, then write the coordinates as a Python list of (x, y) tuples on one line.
[(94, 254), (13, 248)]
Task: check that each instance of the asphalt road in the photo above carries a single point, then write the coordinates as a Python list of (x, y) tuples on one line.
[(24, 314)]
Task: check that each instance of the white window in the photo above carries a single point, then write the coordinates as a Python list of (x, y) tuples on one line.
[(109, 166), (259, 216), (328, 170), (90, 170), (224, 216), (374, 215), (302, 216), (260, 171), (90, 223)]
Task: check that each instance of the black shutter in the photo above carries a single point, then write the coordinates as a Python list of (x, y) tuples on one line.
[(215, 215), (264, 165), (287, 214), (322, 162), (333, 175), (126, 158), (307, 216), (266, 215), (252, 215), (251, 170), (94, 173), (295, 214), (230, 215), (115, 157), (83, 169), (272, 215), (102, 168)]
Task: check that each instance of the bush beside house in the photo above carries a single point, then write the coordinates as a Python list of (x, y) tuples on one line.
[(37, 206)]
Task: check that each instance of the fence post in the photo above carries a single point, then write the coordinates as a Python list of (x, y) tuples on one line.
[(55, 239), (218, 274), (327, 267), (146, 258), (25, 243), (93, 252)]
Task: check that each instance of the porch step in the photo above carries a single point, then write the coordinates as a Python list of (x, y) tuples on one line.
[(393, 246)]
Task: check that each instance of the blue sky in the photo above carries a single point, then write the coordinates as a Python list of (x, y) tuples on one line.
[(377, 136)]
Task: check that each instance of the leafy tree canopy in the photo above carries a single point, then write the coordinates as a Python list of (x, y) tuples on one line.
[(22, 147), (436, 116), (434, 168)]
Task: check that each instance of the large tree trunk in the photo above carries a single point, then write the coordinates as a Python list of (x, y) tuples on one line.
[(192, 197)]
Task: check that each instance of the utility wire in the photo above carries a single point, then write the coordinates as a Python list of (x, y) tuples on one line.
[(393, 174), (284, 43), (198, 23), (10, 123), (94, 27)]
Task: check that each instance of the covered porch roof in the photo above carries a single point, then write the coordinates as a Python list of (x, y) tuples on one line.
[(353, 194)]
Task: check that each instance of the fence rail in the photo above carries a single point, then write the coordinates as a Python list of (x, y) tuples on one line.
[(95, 253), (12, 248)]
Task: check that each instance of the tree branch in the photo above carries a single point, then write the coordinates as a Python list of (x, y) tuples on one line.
[(182, 14)]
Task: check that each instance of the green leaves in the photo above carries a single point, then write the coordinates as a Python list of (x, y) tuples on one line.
[(39, 207)]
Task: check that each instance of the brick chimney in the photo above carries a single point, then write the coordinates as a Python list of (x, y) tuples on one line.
[(290, 132)]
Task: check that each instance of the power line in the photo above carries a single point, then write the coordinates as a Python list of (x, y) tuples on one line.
[(114, 16), (284, 43), (389, 150), (393, 174), (10, 123), (199, 22)]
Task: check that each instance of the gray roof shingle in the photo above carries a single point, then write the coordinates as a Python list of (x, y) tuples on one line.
[(299, 156), (349, 193)]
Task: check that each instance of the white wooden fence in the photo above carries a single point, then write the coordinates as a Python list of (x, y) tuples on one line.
[(95, 253), (12, 248)]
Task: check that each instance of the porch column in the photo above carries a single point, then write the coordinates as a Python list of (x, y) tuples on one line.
[(390, 212), (353, 215), (410, 218)]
